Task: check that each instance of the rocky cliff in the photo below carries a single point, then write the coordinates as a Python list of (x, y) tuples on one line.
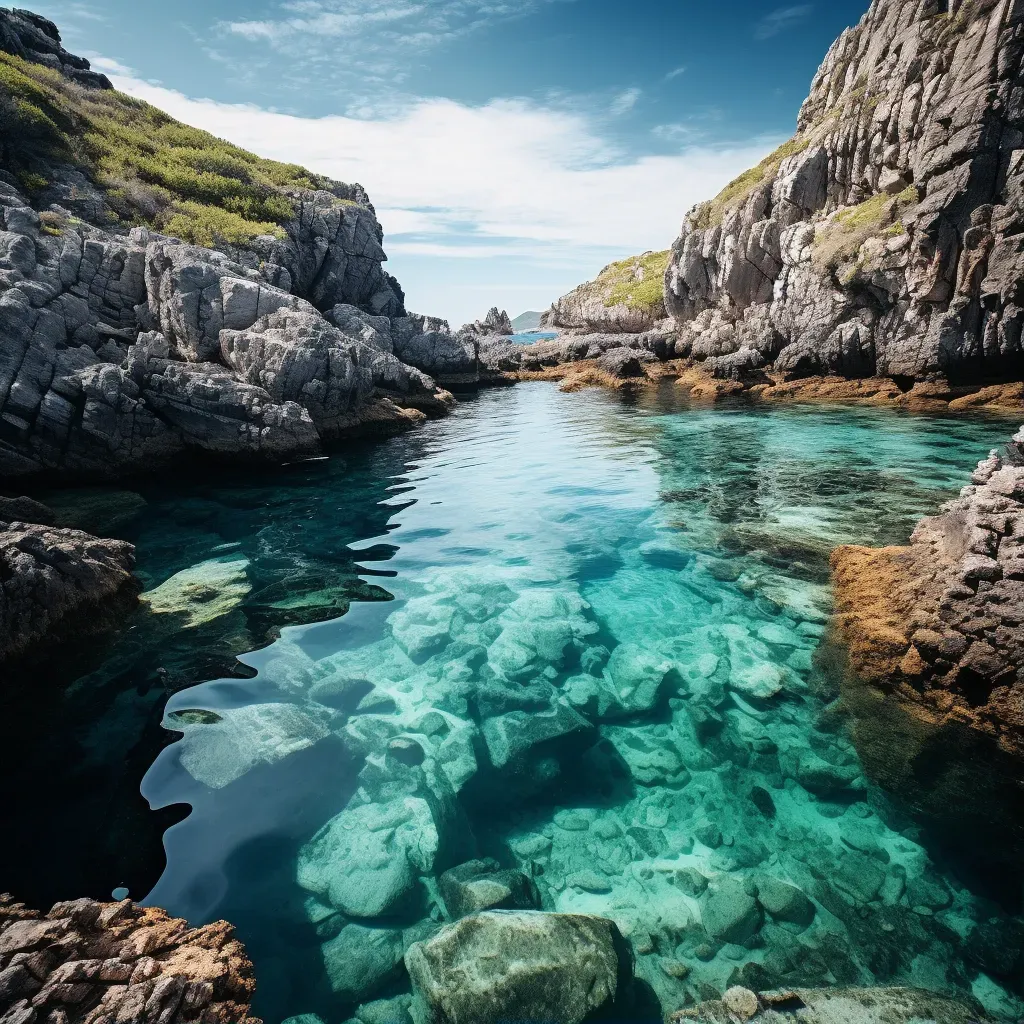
[(625, 298), (245, 315), (884, 239), (887, 235)]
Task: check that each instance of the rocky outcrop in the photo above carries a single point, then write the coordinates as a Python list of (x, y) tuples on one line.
[(933, 638), (496, 322), (625, 298), (885, 237), (124, 350), (830, 1006), (88, 963), (58, 585), (34, 38)]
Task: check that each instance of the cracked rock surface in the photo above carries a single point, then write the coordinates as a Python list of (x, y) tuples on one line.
[(123, 350), (886, 236), (95, 963)]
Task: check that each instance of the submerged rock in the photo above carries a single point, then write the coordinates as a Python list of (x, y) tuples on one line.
[(832, 1006), (522, 966)]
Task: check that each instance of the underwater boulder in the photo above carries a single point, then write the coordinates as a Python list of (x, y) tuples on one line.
[(785, 902), (521, 966), (366, 860), (359, 960), (483, 885), (730, 912)]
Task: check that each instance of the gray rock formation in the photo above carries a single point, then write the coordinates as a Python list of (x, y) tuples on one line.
[(33, 38), (514, 965), (89, 962), (497, 322), (58, 585), (122, 350), (884, 237)]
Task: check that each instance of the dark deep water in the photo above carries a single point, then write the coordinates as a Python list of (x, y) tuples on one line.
[(583, 627)]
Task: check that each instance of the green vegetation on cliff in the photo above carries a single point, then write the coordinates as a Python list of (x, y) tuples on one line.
[(838, 241), (637, 283), (154, 169), (711, 213)]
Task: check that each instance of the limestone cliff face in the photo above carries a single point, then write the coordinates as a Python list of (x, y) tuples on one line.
[(888, 235)]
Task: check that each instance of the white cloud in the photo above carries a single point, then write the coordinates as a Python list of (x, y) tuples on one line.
[(675, 73), (508, 179), (625, 102), (108, 65), (781, 19)]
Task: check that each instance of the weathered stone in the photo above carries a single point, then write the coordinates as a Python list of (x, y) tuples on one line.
[(512, 965)]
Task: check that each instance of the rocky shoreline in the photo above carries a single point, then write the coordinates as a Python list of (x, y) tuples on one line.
[(85, 962), (931, 641)]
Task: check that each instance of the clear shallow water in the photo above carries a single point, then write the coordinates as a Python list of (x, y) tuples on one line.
[(597, 668)]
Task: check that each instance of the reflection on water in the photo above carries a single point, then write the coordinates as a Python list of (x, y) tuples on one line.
[(597, 669)]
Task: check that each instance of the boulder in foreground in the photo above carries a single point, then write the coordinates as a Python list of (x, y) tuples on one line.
[(518, 966)]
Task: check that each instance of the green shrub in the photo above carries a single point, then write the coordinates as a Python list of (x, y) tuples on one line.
[(838, 241), (637, 283)]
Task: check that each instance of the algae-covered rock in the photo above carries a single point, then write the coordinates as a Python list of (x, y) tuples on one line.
[(202, 592), (518, 966)]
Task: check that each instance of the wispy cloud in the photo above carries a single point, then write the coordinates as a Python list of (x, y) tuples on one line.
[(506, 178), (675, 73), (374, 40), (780, 19), (625, 102)]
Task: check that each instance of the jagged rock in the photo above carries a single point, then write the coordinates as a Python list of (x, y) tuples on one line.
[(36, 39), (496, 322), (515, 965), (829, 1006), (882, 237), (624, 362), (428, 344), (121, 347), (117, 961), (58, 585)]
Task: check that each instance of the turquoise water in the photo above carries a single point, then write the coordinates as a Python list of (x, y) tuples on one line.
[(596, 666)]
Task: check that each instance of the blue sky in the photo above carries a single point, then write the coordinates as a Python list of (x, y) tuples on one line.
[(511, 147)]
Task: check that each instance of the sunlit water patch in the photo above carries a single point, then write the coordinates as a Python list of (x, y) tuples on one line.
[(594, 690)]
